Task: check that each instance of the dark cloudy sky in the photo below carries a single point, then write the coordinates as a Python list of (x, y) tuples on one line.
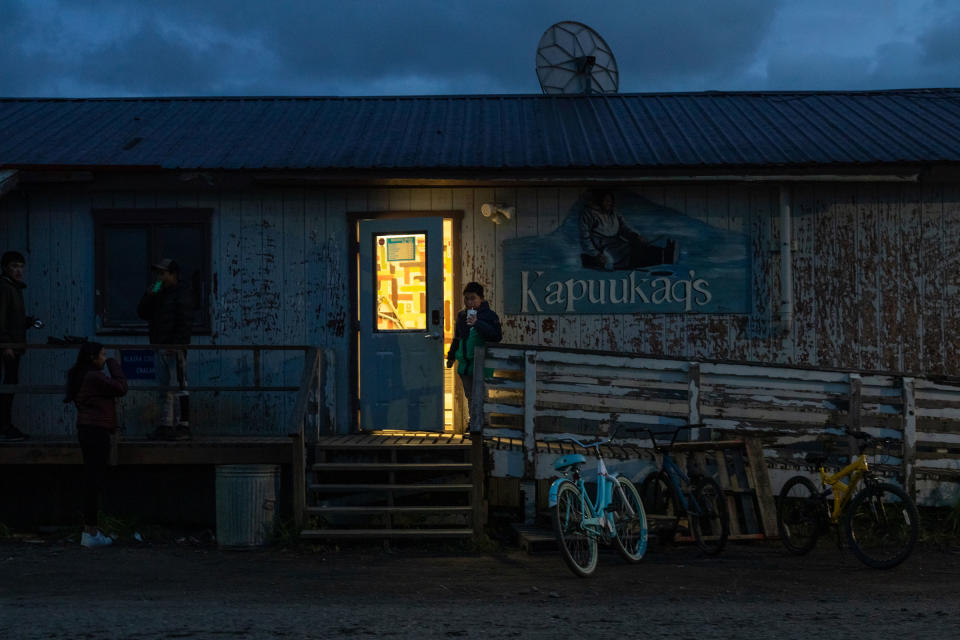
[(386, 47)]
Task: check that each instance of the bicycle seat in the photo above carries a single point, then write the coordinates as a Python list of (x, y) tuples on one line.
[(816, 458), (569, 460)]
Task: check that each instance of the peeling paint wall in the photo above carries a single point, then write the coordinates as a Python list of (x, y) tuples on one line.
[(278, 278), (875, 275)]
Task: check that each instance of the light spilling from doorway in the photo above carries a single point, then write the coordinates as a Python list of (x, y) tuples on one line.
[(449, 319)]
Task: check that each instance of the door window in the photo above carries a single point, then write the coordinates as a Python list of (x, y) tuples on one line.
[(400, 284)]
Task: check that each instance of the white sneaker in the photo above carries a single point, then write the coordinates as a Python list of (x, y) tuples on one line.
[(98, 540)]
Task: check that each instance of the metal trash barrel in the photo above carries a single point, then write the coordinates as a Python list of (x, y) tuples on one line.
[(246, 503)]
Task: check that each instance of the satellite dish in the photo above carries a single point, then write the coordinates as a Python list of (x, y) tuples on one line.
[(573, 58)]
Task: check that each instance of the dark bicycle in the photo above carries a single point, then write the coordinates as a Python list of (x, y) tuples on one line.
[(671, 497)]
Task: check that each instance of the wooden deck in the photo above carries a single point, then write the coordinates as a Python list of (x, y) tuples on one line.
[(387, 439), (199, 451), (215, 449)]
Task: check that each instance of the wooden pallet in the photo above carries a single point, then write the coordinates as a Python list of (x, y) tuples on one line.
[(740, 470)]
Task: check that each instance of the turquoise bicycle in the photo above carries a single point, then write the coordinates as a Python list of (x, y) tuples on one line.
[(615, 516)]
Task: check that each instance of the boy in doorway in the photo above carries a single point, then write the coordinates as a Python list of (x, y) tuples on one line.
[(477, 324)]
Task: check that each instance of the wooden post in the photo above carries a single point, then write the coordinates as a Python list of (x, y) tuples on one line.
[(854, 413), (321, 410), (760, 480), (477, 500), (479, 393), (299, 479), (909, 437), (311, 362), (693, 399), (529, 483)]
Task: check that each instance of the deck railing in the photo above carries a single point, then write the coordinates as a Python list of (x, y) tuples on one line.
[(235, 390), (528, 392)]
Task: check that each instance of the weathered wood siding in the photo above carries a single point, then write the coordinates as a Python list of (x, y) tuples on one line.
[(278, 277), (791, 410), (875, 272), (876, 280)]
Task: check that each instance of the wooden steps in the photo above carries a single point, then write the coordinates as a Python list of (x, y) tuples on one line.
[(384, 533), (387, 466), (421, 509), (378, 486), (330, 488)]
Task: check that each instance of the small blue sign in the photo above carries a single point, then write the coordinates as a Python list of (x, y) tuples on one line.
[(139, 364)]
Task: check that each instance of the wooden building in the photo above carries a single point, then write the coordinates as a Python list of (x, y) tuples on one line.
[(351, 224)]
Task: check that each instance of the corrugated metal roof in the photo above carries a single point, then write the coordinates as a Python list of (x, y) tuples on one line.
[(684, 130)]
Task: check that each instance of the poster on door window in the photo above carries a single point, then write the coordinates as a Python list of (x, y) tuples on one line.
[(401, 248), (617, 252)]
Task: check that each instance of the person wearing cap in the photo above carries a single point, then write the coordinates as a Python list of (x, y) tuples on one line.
[(477, 324), (14, 323), (168, 308)]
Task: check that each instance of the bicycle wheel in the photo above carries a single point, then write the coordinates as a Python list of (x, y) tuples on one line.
[(801, 515), (660, 503), (578, 548), (631, 540), (881, 524), (711, 526)]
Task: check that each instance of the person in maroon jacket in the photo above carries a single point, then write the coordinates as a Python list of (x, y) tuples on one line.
[(94, 393)]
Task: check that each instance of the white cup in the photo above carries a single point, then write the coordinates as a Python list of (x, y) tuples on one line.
[(471, 313)]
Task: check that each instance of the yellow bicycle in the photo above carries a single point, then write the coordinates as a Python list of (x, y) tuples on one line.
[(880, 521)]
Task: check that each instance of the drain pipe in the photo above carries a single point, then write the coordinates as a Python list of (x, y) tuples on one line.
[(786, 262)]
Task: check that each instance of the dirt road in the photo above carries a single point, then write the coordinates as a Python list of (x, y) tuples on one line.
[(58, 591)]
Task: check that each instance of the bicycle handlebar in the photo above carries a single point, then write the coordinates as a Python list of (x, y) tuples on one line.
[(673, 439), (866, 439), (585, 445)]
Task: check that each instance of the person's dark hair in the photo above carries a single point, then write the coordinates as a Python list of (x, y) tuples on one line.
[(11, 256), (600, 194), (474, 287), (88, 351)]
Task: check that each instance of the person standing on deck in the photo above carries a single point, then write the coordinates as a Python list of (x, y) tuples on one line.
[(168, 308), (14, 323), (95, 395)]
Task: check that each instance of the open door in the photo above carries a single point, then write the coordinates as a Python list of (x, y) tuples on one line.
[(400, 340)]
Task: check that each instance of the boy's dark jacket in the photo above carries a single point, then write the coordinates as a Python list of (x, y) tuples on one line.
[(170, 314), (488, 330), (13, 318)]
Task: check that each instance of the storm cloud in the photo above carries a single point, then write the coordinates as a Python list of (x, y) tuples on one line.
[(252, 47)]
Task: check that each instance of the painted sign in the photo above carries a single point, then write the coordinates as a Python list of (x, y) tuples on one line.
[(619, 253), (138, 364)]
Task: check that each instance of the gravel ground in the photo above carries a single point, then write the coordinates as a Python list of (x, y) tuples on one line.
[(54, 589)]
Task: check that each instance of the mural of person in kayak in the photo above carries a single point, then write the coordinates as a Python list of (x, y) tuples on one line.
[(608, 243)]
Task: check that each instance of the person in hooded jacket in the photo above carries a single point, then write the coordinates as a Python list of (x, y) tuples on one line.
[(14, 323), (95, 394), (477, 324)]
